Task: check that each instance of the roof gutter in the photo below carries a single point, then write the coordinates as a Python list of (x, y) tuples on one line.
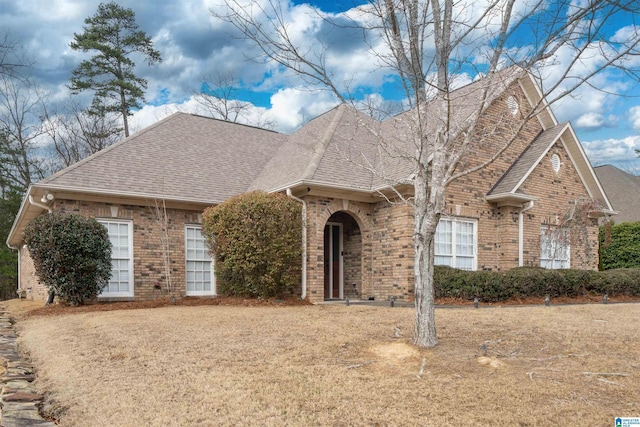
[(40, 205), (304, 241)]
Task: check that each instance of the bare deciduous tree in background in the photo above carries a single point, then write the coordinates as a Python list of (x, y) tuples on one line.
[(22, 160), (76, 134), (428, 46), (218, 99)]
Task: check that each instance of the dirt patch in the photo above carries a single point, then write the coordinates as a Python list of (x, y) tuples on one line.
[(396, 352)]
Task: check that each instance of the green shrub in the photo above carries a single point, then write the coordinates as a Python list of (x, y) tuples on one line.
[(256, 239), (620, 245), (524, 282), (71, 254)]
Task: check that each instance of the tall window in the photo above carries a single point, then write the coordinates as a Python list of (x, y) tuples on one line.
[(554, 247), (455, 244), (121, 238), (199, 264)]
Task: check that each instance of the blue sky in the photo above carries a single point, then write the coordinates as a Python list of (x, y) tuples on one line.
[(194, 45)]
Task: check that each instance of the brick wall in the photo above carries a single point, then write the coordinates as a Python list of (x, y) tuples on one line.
[(29, 282), (148, 254)]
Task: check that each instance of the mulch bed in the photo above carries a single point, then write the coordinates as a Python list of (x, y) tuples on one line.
[(60, 308)]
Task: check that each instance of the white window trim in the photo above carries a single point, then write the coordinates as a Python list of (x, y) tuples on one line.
[(212, 292), (543, 231), (454, 222), (105, 294)]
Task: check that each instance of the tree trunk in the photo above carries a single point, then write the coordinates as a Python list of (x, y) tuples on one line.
[(429, 199), (424, 334)]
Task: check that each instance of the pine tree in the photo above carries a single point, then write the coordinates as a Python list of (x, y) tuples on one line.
[(114, 35)]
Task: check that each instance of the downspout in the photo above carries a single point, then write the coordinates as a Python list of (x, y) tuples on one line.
[(40, 205), (521, 233), (17, 249), (304, 242)]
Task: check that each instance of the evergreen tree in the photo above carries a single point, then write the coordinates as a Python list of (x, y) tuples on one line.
[(112, 33)]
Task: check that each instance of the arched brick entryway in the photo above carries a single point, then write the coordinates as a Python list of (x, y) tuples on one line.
[(339, 253)]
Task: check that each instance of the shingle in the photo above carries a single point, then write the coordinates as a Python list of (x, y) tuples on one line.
[(622, 190), (519, 170), (183, 157)]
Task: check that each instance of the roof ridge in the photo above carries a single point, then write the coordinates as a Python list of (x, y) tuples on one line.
[(321, 148)]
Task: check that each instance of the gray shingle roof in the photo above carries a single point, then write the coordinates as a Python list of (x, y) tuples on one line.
[(623, 191), (324, 151), (183, 157), (520, 169)]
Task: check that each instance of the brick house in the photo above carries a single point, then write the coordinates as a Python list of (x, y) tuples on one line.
[(151, 188)]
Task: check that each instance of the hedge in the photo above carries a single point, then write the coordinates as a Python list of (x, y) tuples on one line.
[(523, 282), (620, 245)]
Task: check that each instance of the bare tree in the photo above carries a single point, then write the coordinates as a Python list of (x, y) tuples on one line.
[(427, 45), (77, 134), (218, 99), (13, 61), (22, 156)]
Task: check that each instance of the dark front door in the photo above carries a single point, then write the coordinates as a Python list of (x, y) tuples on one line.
[(333, 261)]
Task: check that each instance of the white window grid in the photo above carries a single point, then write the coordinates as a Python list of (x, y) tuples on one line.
[(199, 264), (555, 247), (121, 237), (455, 243)]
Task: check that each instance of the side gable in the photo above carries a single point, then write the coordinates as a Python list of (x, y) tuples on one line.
[(508, 191)]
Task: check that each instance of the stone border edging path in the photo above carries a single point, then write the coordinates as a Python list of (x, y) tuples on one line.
[(18, 398)]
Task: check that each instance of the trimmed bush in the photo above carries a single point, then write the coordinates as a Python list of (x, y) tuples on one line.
[(71, 254), (523, 282), (620, 245), (256, 240)]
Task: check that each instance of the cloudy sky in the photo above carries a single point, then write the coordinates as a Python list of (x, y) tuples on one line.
[(196, 46)]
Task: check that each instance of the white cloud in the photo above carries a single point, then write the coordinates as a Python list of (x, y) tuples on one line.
[(590, 120), (291, 107), (634, 116), (612, 151)]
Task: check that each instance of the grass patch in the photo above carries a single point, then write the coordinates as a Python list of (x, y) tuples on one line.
[(337, 365)]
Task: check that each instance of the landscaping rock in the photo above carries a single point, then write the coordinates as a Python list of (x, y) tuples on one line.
[(18, 399)]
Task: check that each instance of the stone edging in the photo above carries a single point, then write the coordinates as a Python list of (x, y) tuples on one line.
[(19, 400)]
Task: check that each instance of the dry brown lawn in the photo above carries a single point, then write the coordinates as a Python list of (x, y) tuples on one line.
[(333, 365)]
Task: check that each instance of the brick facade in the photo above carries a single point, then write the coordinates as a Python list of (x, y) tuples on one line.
[(148, 254), (377, 246)]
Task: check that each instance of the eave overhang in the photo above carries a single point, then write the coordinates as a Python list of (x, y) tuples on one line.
[(510, 199)]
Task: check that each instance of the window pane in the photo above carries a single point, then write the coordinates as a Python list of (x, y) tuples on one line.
[(198, 263), (454, 244), (554, 247)]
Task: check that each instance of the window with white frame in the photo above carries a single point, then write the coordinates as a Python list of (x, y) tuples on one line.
[(121, 238), (455, 243), (555, 247), (199, 266)]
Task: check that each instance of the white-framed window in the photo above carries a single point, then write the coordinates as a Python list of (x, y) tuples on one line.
[(199, 265), (121, 238), (455, 243), (555, 247)]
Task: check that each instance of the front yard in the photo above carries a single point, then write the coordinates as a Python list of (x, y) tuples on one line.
[(337, 365)]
